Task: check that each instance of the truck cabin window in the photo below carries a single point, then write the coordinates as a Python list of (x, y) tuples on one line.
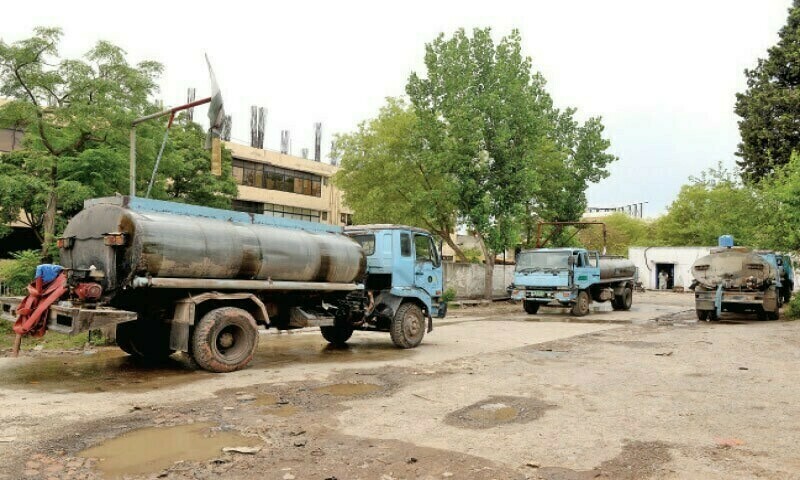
[(405, 245), (542, 261), (367, 242), (426, 250)]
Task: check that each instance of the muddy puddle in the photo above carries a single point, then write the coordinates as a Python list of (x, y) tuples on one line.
[(496, 411), (348, 389), (153, 449), (106, 370), (112, 370)]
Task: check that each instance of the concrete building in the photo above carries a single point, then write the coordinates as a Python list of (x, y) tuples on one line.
[(676, 261), (286, 186)]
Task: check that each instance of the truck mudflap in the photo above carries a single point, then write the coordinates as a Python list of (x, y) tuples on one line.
[(71, 320)]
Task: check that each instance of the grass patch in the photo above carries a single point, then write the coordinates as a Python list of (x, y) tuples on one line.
[(51, 341)]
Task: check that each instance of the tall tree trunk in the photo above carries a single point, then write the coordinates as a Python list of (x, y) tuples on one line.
[(488, 264), (49, 224)]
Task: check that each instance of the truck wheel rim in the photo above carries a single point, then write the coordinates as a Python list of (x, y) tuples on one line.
[(411, 324), (229, 342)]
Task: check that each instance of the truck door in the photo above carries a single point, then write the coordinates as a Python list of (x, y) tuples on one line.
[(586, 274), (427, 267)]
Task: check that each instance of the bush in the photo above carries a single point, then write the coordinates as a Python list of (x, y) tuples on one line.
[(449, 295), (16, 274), (792, 309)]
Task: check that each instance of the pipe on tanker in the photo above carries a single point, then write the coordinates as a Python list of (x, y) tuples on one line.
[(230, 284)]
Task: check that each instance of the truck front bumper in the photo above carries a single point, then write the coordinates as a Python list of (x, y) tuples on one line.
[(543, 296), (705, 300)]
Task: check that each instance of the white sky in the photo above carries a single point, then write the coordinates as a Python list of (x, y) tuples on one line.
[(663, 75)]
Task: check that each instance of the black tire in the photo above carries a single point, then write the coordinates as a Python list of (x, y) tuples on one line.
[(712, 315), (581, 306), (144, 340), (224, 340), (408, 326), (702, 315), (787, 295), (530, 307), (338, 334), (624, 301), (773, 315)]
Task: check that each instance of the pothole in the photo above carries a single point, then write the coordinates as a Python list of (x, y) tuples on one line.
[(495, 411), (153, 449), (348, 389)]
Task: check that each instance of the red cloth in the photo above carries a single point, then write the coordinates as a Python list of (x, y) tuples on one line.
[(33, 309)]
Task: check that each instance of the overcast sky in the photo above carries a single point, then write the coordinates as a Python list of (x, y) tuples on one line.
[(663, 75)]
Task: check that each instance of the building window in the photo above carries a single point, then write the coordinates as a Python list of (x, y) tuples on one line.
[(346, 219), (245, 206), (323, 216), (294, 213), (270, 177)]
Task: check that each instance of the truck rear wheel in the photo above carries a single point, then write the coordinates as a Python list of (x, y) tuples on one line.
[(531, 307), (408, 326), (581, 307), (702, 315), (143, 340), (624, 301), (224, 340), (338, 334)]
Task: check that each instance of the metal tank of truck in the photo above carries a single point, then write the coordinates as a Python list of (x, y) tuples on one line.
[(737, 279), (176, 277), (572, 278)]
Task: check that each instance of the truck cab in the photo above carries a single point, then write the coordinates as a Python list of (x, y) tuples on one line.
[(784, 278), (403, 266), (572, 278)]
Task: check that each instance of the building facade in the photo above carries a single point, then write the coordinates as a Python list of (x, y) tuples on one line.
[(676, 262), (286, 186)]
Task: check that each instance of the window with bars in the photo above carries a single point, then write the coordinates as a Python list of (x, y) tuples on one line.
[(247, 206), (270, 177), (294, 213)]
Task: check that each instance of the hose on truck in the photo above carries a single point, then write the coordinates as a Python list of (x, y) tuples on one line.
[(48, 286)]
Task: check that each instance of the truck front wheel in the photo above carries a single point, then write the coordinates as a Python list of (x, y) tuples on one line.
[(531, 307), (224, 340), (581, 306), (408, 326), (624, 301)]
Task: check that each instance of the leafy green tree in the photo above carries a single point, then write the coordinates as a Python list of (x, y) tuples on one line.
[(770, 107), (622, 232), (76, 116), (490, 128), (714, 204), (386, 175), (780, 204)]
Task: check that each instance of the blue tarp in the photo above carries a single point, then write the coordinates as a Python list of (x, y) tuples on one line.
[(48, 272)]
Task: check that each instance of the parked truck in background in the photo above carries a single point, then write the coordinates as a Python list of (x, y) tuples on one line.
[(176, 277), (784, 273), (737, 279), (572, 278)]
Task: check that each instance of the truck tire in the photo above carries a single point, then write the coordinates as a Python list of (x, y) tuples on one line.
[(337, 334), (530, 307), (144, 340), (581, 306), (702, 315), (408, 326), (773, 315), (224, 340), (624, 301)]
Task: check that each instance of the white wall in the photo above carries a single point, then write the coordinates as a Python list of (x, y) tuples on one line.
[(646, 258), (468, 279)]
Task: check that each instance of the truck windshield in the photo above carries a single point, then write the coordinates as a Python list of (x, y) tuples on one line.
[(367, 242), (532, 261)]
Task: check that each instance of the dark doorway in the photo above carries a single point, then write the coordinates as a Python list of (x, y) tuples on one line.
[(669, 269)]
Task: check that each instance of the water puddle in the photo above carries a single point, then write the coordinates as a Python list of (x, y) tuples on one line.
[(266, 400), (348, 389), (274, 350), (150, 450), (282, 410), (105, 371), (496, 411)]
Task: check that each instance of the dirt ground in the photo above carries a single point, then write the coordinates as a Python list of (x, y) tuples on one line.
[(492, 393)]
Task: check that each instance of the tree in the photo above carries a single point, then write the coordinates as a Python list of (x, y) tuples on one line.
[(714, 204), (622, 232), (770, 107), (76, 115), (489, 127), (780, 199), (386, 176)]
